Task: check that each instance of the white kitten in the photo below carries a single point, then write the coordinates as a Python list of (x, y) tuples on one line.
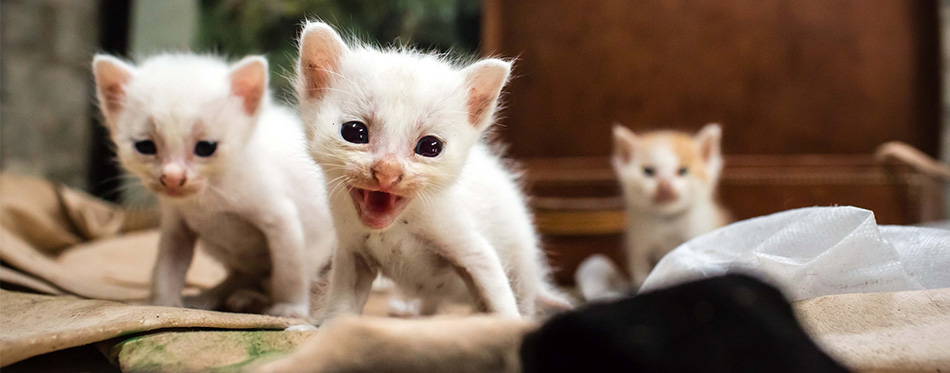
[(668, 180), (415, 192), (230, 169)]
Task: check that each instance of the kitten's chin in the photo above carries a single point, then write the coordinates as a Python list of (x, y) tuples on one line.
[(670, 208), (177, 193), (377, 209)]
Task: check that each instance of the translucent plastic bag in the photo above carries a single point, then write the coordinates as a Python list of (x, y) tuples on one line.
[(815, 251)]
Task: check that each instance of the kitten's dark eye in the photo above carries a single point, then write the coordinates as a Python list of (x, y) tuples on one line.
[(429, 146), (683, 171), (649, 171), (205, 148), (146, 147), (355, 132)]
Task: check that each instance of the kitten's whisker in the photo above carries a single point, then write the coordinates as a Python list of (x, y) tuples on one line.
[(220, 193), (339, 186), (351, 94), (341, 76), (335, 184)]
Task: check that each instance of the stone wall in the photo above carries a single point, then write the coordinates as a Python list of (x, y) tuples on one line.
[(46, 92)]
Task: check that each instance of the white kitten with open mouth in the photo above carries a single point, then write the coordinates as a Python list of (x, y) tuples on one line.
[(416, 193)]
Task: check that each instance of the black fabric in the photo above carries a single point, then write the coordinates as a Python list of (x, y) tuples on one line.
[(733, 323)]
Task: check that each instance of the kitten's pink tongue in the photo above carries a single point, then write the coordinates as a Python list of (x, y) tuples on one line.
[(379, 202), (377, 209)]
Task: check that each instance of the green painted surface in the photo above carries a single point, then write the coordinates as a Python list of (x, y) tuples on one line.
[(216, 351)]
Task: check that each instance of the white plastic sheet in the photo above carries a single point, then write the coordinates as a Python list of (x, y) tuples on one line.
[(815, 251)]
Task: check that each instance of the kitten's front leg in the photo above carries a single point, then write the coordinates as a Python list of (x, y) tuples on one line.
[(176, 248), (638, 257), (474, 259), (351, 280), (289, 283)]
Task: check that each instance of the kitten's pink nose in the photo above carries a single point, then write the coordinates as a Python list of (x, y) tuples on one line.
[(387, 173), (173, 176), (173, 180), (664, 192)]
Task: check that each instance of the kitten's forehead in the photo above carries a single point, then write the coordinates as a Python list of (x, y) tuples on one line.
[(402, 80), (176, 96), (180, 85), (670, 149)]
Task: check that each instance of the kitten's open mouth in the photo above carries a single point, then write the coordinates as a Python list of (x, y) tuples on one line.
[(377, 209)]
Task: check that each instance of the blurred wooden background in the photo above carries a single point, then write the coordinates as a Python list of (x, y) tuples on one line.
[(783, 76), (806, 90)]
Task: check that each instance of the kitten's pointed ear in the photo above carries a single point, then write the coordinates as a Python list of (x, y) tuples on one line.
[(249, 82), (112, 76), (624, 143), (709, 139), (321, 50), (484, 80)]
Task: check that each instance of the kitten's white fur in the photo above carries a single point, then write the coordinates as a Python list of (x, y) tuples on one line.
[(465, 230), (656, 227), (257, 203)]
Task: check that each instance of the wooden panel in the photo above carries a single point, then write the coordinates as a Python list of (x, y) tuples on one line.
[(783, 76)]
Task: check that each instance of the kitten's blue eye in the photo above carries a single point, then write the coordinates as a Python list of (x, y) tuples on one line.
[(683, 171), (355, 132), (429, 146), (205, 148), (146, 147), (649, 171)]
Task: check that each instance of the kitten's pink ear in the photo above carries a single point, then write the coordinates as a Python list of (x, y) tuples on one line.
[(485, 80), (709, 139), (249, 82), (112, 76), (321, 50), (624, 143)]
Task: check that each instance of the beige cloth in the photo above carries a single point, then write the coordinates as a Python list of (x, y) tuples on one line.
[(55, 240), (901, 331), (62, 242)]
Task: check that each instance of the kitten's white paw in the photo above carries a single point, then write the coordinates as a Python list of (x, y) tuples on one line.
[(600, 280), (399, 307), (300, 328), (298, 311)]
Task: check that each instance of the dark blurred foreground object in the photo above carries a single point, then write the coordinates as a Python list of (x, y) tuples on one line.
[(726, 324)]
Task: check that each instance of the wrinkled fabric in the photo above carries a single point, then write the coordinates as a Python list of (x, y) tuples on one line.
[(55, 240), (813, 252)]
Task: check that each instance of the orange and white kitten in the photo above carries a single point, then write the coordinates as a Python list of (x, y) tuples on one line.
[(668, 180)]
